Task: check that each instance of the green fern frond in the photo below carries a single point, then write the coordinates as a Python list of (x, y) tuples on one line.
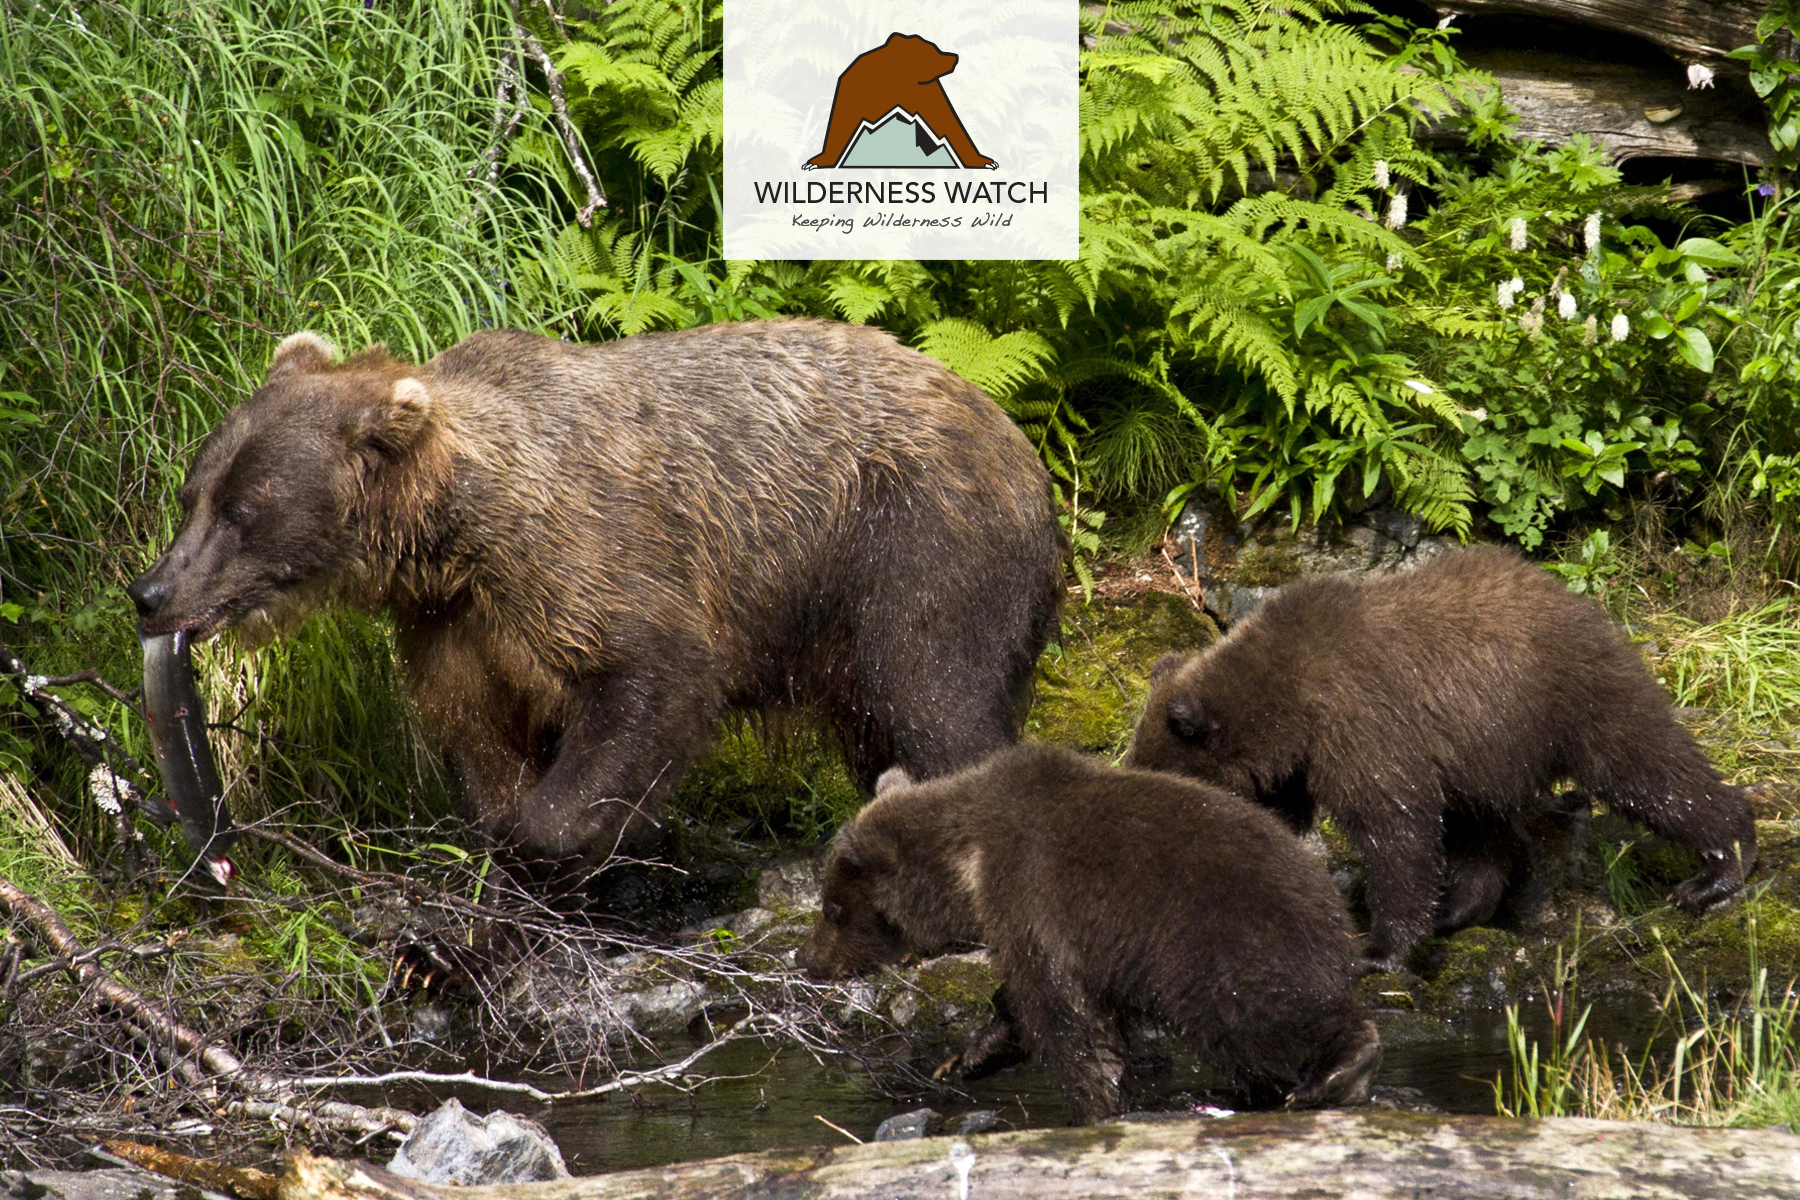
[(999, 366)]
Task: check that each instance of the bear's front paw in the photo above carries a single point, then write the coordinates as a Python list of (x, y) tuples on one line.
[(428, 965)]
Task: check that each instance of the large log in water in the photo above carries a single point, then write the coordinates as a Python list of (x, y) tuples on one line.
[(1252, 1157)]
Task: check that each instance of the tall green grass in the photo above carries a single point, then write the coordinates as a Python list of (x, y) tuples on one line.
[(182, 183), (1708, 1062)]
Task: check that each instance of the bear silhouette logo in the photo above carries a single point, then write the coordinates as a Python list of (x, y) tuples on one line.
[(890, 110)]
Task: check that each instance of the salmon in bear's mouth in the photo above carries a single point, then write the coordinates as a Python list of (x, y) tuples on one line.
[(198, 629)]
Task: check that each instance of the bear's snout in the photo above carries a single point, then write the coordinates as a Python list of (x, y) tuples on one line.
[(150, 591)]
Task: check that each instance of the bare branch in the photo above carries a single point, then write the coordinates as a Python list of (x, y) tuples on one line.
[(107, 762), (564, 126)]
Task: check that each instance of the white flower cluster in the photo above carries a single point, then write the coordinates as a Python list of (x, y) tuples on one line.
[(1518, 235), (1590, 233), (105, 787), (1621, 327), (1381, 173), (1590, 332), (1396, 214), (1509, 292), (1533, 322)]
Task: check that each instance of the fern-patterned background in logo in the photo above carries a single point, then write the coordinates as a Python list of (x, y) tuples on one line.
[(919, 129)]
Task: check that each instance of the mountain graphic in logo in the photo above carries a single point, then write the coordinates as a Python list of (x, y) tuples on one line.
[(890, 110)]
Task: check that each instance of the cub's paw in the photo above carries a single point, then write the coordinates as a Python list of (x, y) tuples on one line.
[(1717, 881), (994, 1048), (1347, 1081)]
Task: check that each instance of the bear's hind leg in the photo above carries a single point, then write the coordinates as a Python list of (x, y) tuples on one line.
[(1481, 856), (1654, 773)]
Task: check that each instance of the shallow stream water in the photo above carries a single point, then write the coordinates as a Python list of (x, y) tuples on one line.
[(777, 1096)]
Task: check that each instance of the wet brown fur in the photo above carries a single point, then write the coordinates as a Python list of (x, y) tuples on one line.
[(1422, 711), (1108, 897), (591, 551)]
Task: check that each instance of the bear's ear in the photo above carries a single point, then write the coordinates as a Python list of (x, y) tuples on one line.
[(1188, 722), (394, 423), (1168, 664), (300, 353), (861, 853), (892, 779)]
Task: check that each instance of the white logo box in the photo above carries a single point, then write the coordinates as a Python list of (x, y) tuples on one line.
[(880, 179)]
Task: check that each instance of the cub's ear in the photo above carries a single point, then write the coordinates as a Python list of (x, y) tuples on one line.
[(859, 852), (1168, 664), (299, 353), (891, 779), (1188, 722), (394, 423)]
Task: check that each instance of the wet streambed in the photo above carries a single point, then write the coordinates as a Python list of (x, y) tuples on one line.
[(778, 1094)]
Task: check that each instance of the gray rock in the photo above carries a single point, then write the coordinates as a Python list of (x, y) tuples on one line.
[(431, 1023), (1397, 525), (979, 1121), (915, 1124), (1229, 602), (453, 1145), (790, 883)]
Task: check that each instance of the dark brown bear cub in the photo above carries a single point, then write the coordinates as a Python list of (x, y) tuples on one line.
[(1108, 897), (591, 552), (1422, 711)]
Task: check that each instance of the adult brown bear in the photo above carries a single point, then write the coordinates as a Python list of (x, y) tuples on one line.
[(590, 552), (1422, 711), (903, 73)]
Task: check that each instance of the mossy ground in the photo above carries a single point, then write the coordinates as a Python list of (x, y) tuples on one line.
[(1092, 682)]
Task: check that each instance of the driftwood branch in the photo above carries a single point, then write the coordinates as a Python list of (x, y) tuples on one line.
[(668, 1072), (291, 1100), (247, 1182), (510, 106), (188, 1052), (1252, 1157)]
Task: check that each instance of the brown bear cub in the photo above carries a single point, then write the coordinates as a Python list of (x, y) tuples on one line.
[(592, 551), (1422, 711), (1108, 897)]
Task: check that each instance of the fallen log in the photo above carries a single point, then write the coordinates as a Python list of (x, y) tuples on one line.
[(1687, 29), (1249, 1157), (1559, 95)]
